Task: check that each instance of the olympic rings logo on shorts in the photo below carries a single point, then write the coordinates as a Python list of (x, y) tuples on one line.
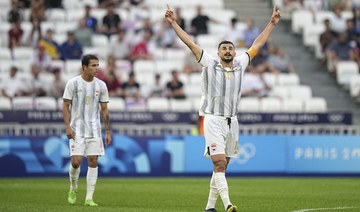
[(246, 152)]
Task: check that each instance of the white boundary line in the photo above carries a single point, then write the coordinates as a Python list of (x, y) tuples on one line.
[(321, 209)]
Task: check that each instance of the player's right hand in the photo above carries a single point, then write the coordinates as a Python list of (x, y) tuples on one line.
[(169, 15)]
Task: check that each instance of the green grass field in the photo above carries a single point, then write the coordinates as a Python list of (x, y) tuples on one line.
[(183, 194)]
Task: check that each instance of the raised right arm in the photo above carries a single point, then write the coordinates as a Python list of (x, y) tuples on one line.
[(170, 17)]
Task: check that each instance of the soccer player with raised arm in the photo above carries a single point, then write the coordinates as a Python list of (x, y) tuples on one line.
[(221, 91), (85, 96)]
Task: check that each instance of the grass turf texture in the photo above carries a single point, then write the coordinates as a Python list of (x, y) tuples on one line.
[(181, 194)]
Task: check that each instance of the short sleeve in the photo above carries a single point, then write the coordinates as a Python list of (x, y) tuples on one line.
[(104, 98), (205, 59), (243, 60), (69, 90)]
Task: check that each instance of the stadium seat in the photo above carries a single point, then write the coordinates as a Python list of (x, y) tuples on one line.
[(321, 16), (74, 15), (311, 34), (270, 104), (100, 51), (64, 27), (181, 105), (99, 40), (23, 53), (315, 105), (5, 103), (288, 79), (175, 54), (162, 66), (56, 15), (345, 70), (292, 105), (141, 66), (73, 67), (23, 103), (196, 101), (158, 104), (355, 86), (300, 92), (299, 19), (5, 53), (207, 41), (195, 79), (116, 104), (192, 90), (279, 91), (45, 103), (249, 104)]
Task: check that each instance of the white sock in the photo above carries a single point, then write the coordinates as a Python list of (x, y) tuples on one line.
[(213, 194), (74, 177), (222, 187), (91, 177)]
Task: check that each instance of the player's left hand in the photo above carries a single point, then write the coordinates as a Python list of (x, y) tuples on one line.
[(107, 139), (276, 15)]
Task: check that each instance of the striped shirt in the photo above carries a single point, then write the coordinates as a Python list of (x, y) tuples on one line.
[(85, 108), (221, 88)]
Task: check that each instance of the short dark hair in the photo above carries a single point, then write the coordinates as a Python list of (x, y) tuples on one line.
[(86, 59), (225, 42)]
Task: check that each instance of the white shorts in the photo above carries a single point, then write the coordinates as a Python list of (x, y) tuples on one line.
[(220, 137), (86, 146)]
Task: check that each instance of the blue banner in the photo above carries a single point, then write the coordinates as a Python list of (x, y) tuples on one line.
[(183, 155)]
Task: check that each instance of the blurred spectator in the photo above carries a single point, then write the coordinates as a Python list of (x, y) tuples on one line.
[(41, 59), (37, 10), (113, 84), (35, 33), (52, 48), (136, 2), (71, 49), (14, 14), (179, 19), (145, 48), (112, 67), (90, 21), (157, 90), (356, 19), (199, 24), (339, 51), (15, 34), (339, 4), (111, 21), (234, 34), (58, 85), (328, 36), (131, 88), (175, 88), (36, 86), (350, 32), (190, 64), (120, 47), (255, 84), (289, 7), (24, 4), (166, 36), (13, 85), (338, 24), (53, 4), (83, 34), (279, 61), (250, 33)]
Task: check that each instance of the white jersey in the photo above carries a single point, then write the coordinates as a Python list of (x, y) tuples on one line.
[(221, 88), (85, 105)]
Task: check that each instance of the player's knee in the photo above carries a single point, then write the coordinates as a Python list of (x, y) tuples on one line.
[(92, 162), (220, 165)]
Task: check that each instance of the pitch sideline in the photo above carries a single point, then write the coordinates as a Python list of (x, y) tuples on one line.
[(321, 209)]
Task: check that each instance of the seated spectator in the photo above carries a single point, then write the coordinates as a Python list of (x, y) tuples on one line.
[(15, 34), (234, 34), (35, 33), (250, 33), (91, 22), (339, 51), (71, 49), (175, 88), (166, 36), (13, 85), (120, 48), (41, 59), (58, 85), (111, 66), (328, 36), (190, 64), (14, 14), (279, 61), (144, 49), (157, 90), (199, 24), (179, 19), (350, 32), (35, 85), (255, 84), (113, 84), (83, 34), (111, 21), (131, 88), (37, 10), (52, 48)]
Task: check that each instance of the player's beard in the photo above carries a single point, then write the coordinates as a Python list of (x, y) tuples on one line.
[(227, 60)]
